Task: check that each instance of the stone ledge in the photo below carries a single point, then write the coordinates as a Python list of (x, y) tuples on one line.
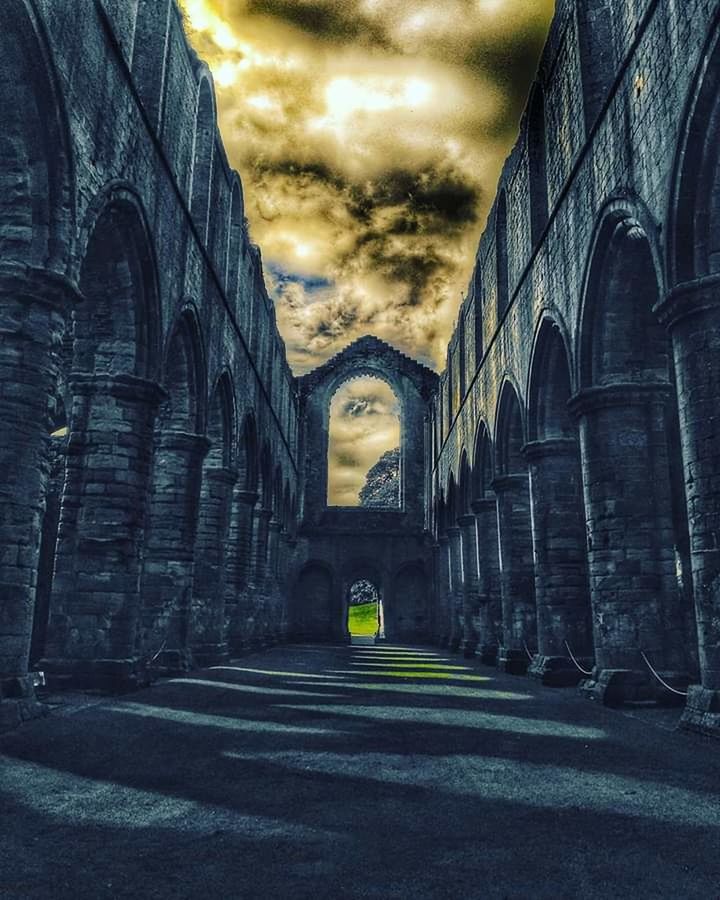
[(112, 676), (514, 662), (18, 702), (615, 687)]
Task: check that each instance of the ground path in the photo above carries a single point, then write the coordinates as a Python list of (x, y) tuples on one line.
[(334, 772)]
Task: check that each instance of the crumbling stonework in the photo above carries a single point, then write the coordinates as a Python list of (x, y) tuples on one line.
[(560, 481)]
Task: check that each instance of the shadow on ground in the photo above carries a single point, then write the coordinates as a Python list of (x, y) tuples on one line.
[(351, 772)]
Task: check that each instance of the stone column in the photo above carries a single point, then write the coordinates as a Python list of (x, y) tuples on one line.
[(455, 595), (274, 613), (33, 308), (692, 314), (517, 576), (168, 568), (490, 615), (258, 594), (93, 631), (636, 601), (470, 584), (209, 639), (444, 590), (562, 592), (238, 568)]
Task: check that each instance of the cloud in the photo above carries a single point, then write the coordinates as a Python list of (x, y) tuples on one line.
[(369, 135)]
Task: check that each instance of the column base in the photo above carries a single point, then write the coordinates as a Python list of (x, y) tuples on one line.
[(556, 671), (616, 687), (18, 702), (109, 676), (514, 662), (211, 654), (172, 662), (488, 654), (469, 649), (702, 711)]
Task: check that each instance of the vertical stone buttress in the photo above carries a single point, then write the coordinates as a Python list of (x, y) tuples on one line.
[(259, 578), (168, 569), (93, 634), (489, 617), (636, 600), (34, 306), (209, 639), (470, 584), (455, 594), (559, 548), (517, 576), (445, 590), (238, 569), (692, 314)]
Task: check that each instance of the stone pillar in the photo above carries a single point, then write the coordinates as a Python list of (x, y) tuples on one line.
[(238, 569), (93, 631), (444, 590), (562, 591), (258, 593), (33, 309), (209, 639), (470, 584), (455, 595), (490, 616), (168, 570), (636, 600), (692, 314), (517, 576), (274, 613)]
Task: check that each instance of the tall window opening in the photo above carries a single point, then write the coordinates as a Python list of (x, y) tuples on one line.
[(364, 445)]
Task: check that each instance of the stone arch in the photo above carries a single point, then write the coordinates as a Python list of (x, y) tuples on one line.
[(117, 329), (407, 612), (482, 467), (596, 46), (502, 291), (517, 576), (692, 315), (249, 459), (479, 308), (315, 613), (558, 515), (149, 55), (203, 153), (185, 375), (208, 623), (465, 497), (629, 438), (235, 235), (37, 199), (537, 163)]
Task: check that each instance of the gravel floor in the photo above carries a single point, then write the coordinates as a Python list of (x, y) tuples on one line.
[(356, 772)]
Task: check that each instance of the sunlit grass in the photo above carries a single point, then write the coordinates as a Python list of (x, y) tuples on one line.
[(363, 619)]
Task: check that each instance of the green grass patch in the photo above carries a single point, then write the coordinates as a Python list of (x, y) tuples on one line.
[(362, 619)]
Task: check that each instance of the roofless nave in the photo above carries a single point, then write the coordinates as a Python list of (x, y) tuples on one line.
[(560, 481)]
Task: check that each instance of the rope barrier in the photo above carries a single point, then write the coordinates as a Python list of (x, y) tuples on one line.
[(530, 656), (662, 680), (577, 664), (159, 651)]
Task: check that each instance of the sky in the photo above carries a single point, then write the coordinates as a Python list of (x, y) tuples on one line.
[(369, 136)]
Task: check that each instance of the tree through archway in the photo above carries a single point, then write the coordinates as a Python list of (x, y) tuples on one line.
[(364, 609)]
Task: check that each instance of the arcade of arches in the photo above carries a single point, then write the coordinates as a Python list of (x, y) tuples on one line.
[(165, 476)]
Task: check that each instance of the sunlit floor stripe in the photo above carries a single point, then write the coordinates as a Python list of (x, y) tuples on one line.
[(227, 723), (437, 666), (250, 688), (530, 784), (267, 672), (454, 718), (414, 673), (430, 690)]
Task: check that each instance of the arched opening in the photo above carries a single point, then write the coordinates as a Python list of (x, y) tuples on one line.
[(234, 244), (203, 153), (629, 435), (558, 515), (364, 445), (537, 164), (517, 576), (489, 619), (180, 448), (365, 615), (313, 607), (501, 255), (597, 54), (218, 477), (479, 309)]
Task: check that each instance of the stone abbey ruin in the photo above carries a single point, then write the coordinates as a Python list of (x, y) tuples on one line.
[(164, 474)]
